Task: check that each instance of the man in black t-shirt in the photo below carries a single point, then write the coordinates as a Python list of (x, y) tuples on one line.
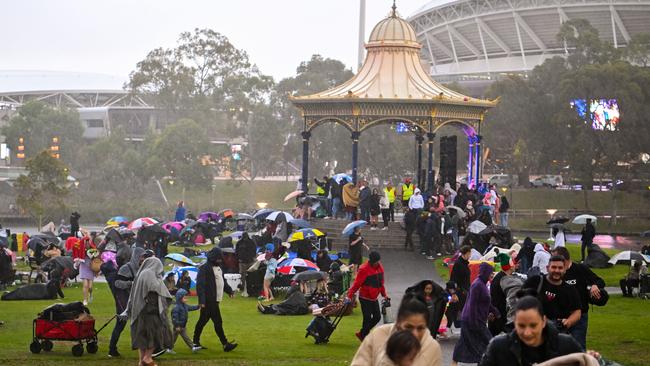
[(588, 284), (561, 302)]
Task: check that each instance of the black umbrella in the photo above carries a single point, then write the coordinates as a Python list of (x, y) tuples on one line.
[(60, 263), (558, 220), (494, 229), (155, 228), (645, 234), (309, 276)]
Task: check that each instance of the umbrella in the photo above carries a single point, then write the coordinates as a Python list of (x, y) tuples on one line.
[(476, 227), (236, 235), (226, 213), (143, 221), (244, 216), (459, 211), (116, 220), (626, 256), (276, 214), (303, 234), (493, 229), (582, 219), (349, 229), (179, 258), (557, 226), (155, 228), (208, 215), (289, 266), (173, 224), (339, 177), (125, 231), (262, 213), (61, 262), (293, 195), (300, 223), (645, 234), (309, 276), (558, 220)]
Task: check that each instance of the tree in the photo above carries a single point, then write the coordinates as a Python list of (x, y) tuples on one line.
[(37, 123), (42, 192), (180, 152), (584, 44), (638, 49)]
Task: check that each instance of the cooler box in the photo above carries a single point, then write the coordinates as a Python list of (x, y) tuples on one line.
[(233, 279)]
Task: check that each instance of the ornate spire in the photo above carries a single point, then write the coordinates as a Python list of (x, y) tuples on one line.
[(394, 13)]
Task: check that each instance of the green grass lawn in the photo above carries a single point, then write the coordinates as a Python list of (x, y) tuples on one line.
[(263, 339)]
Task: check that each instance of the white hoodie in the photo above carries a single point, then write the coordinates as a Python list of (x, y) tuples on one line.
[(541, 258), (416, 201)]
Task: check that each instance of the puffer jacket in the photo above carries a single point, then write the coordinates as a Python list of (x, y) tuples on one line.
[(506, 349), (181, 310), (372, 351)]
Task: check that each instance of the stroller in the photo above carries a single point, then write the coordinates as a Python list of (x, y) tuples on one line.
[(65, 322), (322, 327)]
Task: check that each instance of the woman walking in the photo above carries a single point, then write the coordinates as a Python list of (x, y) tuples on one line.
[(474, 335), (147, 309)]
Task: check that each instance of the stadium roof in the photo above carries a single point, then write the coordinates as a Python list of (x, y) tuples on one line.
[(12, 81)]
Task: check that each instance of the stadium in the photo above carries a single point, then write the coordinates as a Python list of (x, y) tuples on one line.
[(474, 42)]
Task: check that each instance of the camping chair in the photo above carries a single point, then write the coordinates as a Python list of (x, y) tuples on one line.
[(35, 267), (644, 287)]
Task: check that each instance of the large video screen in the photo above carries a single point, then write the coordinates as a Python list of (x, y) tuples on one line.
[(602, 114)]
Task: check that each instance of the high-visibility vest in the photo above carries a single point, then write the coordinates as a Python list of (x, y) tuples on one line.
[(391, 194), (407, 191), (320, 191)]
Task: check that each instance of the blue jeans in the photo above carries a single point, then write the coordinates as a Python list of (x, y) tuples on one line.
[(579, 330), (336, 206), (454, 237), (503, 219)]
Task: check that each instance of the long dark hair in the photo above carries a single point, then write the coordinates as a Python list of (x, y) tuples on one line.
[(412, 304)]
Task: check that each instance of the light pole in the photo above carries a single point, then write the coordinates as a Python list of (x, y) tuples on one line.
[(551, 212)]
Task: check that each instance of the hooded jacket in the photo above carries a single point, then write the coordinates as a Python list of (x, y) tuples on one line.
[(181, 310), (206, 282), (245, 249), (478, 304), (506, 349), (369, 282), (541, 258), (350, 195), (127, 272), (416, 202)]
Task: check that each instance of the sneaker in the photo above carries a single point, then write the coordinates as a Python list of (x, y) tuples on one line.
[(430, 257), (171, 351), (385, 228), (229, 346), (195, 349), (114, 354), (158, 353), (359, 336), (244, 294), (199, 346), (373, 228), (85, 303)]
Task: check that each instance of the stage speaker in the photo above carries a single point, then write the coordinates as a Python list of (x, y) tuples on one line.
[(448, 160)]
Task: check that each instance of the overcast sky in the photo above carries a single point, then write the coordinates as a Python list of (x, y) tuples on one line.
[(110, 37)]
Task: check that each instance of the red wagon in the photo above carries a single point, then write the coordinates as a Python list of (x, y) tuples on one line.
[(79, 331)]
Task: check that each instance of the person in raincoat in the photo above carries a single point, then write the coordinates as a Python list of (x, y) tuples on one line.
[(475, 336), (147, 309), (350, 200), (541, 258)]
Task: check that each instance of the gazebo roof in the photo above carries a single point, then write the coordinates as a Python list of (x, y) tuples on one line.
[(392, 72)]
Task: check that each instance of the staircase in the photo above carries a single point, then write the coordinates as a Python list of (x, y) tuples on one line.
[(393, 238)]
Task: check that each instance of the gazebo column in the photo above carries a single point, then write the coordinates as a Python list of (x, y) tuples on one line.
[(305, 159), (355, 155), (430, 136), (470, 159), (419, 138), (477, 148)]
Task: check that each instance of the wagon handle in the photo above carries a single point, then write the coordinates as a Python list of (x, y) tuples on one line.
[(105, 324)]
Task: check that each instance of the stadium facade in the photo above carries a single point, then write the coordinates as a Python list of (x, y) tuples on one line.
[(474, 42)]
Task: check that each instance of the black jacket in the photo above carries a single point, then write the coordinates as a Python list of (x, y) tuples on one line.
[(335, 189), (461, 274), (364, 197), (588, 234), (206, 288), (580, 276), (506, 349), (246, 250)]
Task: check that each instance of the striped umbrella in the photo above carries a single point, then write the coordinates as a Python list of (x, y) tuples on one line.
[(289, 266)]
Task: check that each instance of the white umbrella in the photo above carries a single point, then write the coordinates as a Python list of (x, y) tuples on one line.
[(274, 215), (626, 256), (293, 195), (582, 219), (459, 211), (476, 227)]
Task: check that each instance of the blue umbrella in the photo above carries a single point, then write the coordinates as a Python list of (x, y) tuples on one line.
[(349, 229), (339, 177), (179, 258), (263, 213), (300, 223)]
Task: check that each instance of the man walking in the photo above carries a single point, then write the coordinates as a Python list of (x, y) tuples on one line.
[(498, 295), (561, 302), (588, 234), (370, 284), (210, 286), (587, 284)]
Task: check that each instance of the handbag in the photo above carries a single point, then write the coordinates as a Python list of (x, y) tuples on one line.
[(602, 301), (95, 264)]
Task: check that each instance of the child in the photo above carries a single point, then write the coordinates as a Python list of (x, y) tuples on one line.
[(402, 347), (179, 320)]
